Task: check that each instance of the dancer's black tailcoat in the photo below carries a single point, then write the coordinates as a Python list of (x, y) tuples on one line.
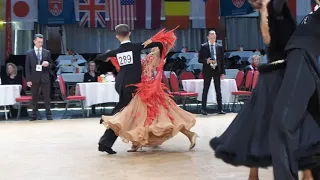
[(129, 58)]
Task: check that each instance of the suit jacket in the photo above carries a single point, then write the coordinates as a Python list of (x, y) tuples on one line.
[(204, 54), (31, 62)]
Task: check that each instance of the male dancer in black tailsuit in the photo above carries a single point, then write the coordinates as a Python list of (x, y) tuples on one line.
[(128, 56), (212, 57), (299, 94)]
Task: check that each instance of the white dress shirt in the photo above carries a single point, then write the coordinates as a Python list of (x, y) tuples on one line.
[(123, 42), (36, 50)]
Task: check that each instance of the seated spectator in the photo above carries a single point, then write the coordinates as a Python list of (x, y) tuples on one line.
[(12, 78), (255, 63), (92, 74)]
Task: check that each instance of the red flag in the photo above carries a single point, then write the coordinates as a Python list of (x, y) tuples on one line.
[(212, 13), (293, 7), (140, 22), (148, 14)]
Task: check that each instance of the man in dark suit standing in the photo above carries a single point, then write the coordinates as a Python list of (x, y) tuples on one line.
[(211, 55), (39, 67)]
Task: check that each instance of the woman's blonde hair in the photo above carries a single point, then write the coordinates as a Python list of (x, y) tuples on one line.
[(255, 56), (92, 62), (15, 69)]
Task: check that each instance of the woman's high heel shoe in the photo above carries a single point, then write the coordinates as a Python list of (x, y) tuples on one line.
[(133, 148), (193, 141)]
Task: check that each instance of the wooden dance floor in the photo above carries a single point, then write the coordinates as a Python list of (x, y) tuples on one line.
[(67, 150)]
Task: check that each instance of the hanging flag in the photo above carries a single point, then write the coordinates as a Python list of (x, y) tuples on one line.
[(23, 14), (148, 14), (24, 10), (121, 12), (56, 12), (235, 7), (303, 8), (76, 9), (92, 13), (177, 12), (198, 13), (212, 13), (293, 7)]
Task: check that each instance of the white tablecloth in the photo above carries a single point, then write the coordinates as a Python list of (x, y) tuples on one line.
[(72, 77), (97, 93), (8, 94), (196, 85)]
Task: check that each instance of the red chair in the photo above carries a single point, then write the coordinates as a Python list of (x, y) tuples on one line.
[(23, 100), (255, 79), (246, 92), (186, 75), (176, 92), (239, 78), (200, 75), (164, 80), (70, 99)]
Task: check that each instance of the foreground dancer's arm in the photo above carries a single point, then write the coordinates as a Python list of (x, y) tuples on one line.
[(104, 56), (264, 25)]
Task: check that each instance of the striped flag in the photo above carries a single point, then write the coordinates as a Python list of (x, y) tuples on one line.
[(212, 13), (148, 14), (121, 12), (177, 12), (198, 13), (92, 13)]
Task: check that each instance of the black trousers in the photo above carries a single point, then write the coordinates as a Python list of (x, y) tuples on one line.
[(288, 114), (217, 85), (45, 89), (109, 137)]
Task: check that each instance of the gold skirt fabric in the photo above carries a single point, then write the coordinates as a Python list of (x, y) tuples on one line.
[(129, 124)]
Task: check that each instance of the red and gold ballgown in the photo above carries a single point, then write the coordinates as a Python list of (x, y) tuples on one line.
[(152, 117)]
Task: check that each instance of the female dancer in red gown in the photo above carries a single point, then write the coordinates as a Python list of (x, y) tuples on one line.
[(152, 117)]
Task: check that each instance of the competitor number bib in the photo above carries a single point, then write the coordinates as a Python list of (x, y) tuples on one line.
[(125, 58)]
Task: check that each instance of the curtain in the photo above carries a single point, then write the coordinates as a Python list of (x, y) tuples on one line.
[(22, 41), (94, 40), (243, 32)]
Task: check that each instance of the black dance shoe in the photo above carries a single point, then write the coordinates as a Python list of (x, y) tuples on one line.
[(203, 112), (221, 112), (106, 149)]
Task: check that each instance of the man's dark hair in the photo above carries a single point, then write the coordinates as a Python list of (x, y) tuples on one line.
[(122, 30), (38, 36)]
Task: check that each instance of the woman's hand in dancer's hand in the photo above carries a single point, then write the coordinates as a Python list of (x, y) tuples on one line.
[(147, 42)]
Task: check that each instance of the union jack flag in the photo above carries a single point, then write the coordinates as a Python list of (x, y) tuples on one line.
[(121, 12), (92, 13)]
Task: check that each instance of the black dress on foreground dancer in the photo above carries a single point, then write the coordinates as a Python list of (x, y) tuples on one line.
[(246, 140), (298, 96)]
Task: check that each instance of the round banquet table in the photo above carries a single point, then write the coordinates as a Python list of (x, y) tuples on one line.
[(97, 93), (9, 93), (196, 85)]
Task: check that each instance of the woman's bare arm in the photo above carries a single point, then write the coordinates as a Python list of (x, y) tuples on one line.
[(264, 25)]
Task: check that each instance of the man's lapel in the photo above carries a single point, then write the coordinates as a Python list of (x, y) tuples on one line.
[(34, 55)]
